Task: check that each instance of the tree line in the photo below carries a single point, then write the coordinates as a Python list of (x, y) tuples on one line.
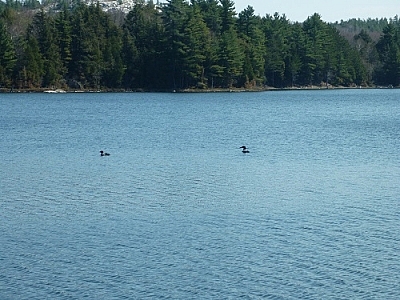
[(177, 45)]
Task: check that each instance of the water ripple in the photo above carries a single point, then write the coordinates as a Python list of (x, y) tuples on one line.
[(309, 213)]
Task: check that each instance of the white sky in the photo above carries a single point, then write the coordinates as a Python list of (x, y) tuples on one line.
[(330, 10)]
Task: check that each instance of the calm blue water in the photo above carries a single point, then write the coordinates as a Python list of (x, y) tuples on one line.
[(178, 212)]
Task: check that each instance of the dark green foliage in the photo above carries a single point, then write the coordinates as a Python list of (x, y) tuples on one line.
[(189, 44), (174, 16), (129, 56), (144, 29), (43, 29), (254, 45), (64, 36), (230, 58), (211, 12), (227, 15), (277, 31), (356, 25), (32, 64), (96, 50), (389, 54), (312, 53), (7, 57), (295, 58), (197, 41)]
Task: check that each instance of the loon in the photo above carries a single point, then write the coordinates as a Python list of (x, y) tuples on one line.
[(102, 153), (244, 149)]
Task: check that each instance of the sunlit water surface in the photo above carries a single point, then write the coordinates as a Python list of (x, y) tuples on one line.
[(177, 211)]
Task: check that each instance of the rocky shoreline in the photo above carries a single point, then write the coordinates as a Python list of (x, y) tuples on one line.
[(214, 90)]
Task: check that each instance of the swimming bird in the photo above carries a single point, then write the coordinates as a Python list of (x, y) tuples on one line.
[(244, 149), (102, 153)]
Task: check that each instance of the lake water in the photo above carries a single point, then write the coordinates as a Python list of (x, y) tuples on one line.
[(177, 211)]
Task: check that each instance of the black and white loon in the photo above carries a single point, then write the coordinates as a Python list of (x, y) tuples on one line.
[(102, 153), (244, 149)]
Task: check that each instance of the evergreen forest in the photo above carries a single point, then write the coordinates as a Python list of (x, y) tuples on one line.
[(197, 44)]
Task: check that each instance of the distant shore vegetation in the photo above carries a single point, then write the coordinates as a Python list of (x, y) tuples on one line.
[(181, 45)]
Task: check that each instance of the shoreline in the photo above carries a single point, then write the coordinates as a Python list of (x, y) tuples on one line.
[(214, 90)]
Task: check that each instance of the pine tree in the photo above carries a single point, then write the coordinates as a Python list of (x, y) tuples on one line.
[(211, 12), (389, 53), (254, 45), (366, 47), (145, 27), (79, 48), (43, 28), (196, 43), (315, 49), (129, 57), (64, 38), (277, 31), (295, 57), (32, 69), (7, 57), (175, 15), (197, 40), (231, 58), (114, 67), (88, 37), (227, 15)]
